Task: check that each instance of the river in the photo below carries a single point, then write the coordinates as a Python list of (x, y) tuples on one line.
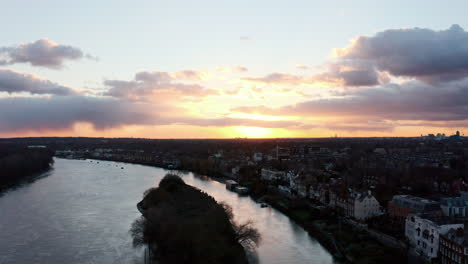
[(81, 211)]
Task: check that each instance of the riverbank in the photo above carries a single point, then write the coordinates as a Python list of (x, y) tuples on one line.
[(22, 165)]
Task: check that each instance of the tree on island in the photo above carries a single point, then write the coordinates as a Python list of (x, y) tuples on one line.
[(183, 224)]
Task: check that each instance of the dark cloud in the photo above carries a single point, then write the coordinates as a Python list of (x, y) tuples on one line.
[(147, 83), (15, 82), (340, 74), (425, 54), (413, 100), (349, 73), (21, 114), (60, 113), (42, 52)]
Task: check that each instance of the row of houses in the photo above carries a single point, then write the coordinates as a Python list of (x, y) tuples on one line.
[(355, 204)]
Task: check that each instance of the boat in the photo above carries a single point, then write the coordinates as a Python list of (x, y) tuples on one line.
[(241, 190), (263, 205), (231, 185)]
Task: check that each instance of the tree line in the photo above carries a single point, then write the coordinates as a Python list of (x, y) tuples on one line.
[(18, 163)]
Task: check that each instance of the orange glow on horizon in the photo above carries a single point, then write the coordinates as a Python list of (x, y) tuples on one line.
[(189, 131), (252, 132)]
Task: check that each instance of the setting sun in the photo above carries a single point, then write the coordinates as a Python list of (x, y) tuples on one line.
[(252, 132)]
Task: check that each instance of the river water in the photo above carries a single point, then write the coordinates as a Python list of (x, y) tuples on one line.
[(81, 211)]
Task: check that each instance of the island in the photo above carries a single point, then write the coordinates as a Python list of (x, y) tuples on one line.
[(182, 224)]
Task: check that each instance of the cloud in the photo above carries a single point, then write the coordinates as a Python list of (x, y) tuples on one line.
[(233, 69), (424, 54), (338, 74), (62, 112), (227, 122), (232, 91), (240, 69), (427, 55), (245, 38), (58, 113), (303, 67), (279, 78), (42, 52), (412, 100), (351, 126), (16, 82), (190, 75), (349, 73), (146, 84)]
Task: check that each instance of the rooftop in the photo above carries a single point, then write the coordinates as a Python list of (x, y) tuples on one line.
[(416, 203)]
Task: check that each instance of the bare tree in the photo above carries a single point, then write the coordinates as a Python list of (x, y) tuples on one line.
[(247, 235), (137, 232)]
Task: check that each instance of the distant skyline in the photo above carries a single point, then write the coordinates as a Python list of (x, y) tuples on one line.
[(218, 69)]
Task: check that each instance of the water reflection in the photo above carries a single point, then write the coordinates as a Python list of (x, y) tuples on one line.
[(82, 211)]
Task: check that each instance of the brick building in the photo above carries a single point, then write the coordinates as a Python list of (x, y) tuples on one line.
[(453, 247), (402, 205)]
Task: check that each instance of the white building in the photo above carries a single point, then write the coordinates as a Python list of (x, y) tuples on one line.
[(272, 175), (358, 205), (423, 231), (364, 206)]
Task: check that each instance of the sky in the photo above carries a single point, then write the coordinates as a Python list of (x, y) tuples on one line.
[(227, 69)]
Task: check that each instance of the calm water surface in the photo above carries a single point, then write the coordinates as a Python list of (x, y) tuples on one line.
[(82, 211)]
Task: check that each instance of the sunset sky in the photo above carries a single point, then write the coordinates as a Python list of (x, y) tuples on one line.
[(225, 69)]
